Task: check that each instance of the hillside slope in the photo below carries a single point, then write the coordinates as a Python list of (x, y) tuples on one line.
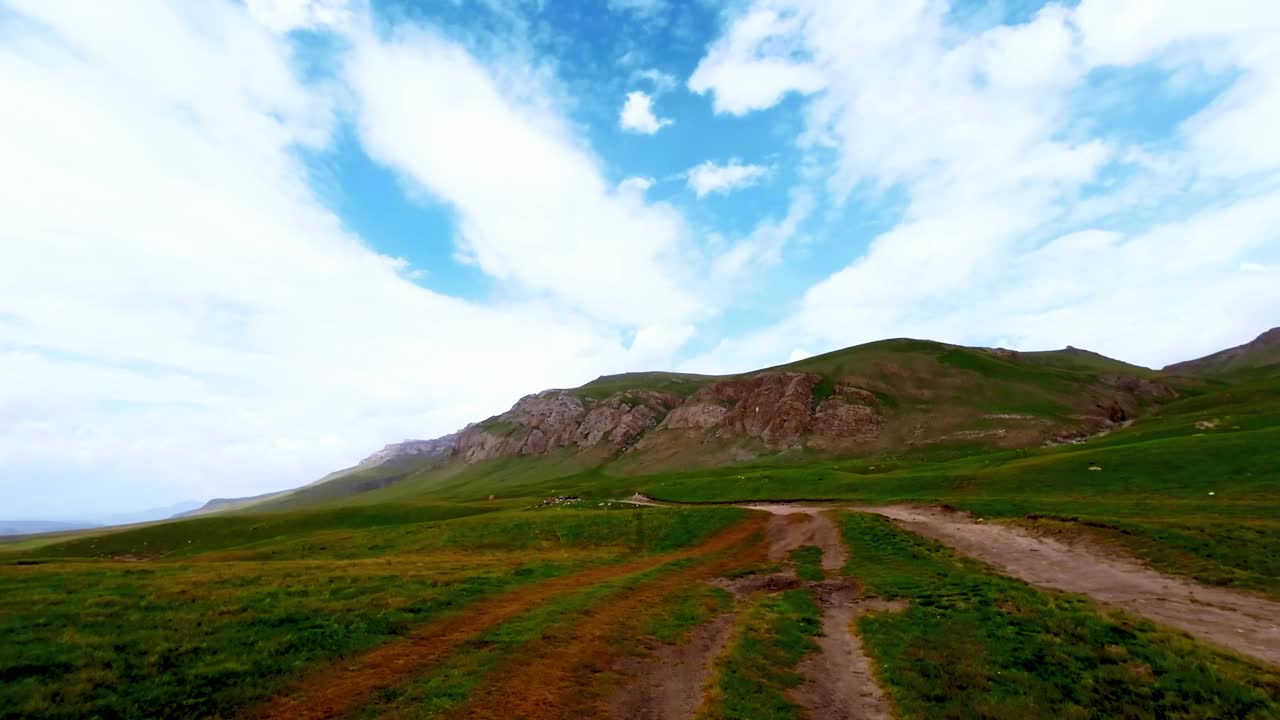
[(1257, 359), (890, 395)]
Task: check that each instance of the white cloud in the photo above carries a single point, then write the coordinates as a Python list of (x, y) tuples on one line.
[(636, 185), (286, 15), (662, 82), (755, 65), (798, 354), (763, 247), (534, 207), (182, 317), (978, 132), (710, 178), (637, 115)]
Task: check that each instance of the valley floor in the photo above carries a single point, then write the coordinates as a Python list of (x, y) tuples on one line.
[(764, 611)]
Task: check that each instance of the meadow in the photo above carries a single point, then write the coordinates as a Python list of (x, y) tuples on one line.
[(205, 617)]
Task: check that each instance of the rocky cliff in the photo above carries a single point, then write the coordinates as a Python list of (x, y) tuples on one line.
[(441, 447)]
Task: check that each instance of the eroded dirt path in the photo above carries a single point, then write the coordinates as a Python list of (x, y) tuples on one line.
[(795, 526), (839, 681), (671, 683), (1247, 624), (558, 676), (336, 690)]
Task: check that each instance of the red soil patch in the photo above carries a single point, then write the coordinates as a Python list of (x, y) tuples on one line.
[(336, 690)]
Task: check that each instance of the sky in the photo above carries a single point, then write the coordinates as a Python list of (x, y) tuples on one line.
[(246, 243)]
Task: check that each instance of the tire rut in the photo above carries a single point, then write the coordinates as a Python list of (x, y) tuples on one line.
[(840, 683), (671, 683), (559, 677), (338, 689)]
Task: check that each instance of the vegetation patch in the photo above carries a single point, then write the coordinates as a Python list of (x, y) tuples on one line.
[(973, 643), (808, 563), (755, 672)]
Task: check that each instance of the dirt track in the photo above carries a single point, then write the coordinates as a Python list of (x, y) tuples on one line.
[(1247, 624), (339, 689), (795, 526), (839, 682), (671, 683)]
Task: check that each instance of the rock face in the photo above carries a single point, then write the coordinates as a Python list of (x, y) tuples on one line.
[(554, 419), (440, 447), (780, 409), (783, 411)]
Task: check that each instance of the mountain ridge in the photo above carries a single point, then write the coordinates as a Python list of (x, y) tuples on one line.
[(896, 393), (1259, 356)]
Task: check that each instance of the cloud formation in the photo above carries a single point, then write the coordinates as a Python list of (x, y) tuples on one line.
[(709, 177), (637, 114)]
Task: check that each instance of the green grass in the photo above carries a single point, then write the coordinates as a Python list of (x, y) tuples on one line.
[(685, 610), (975, 644), (200, 640), (1202, 503), (451, 682), (208, 626), (681, 384), (753, 675), (200, 535), (808, 563)]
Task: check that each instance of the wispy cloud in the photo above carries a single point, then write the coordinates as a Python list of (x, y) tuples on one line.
[(710, 177)]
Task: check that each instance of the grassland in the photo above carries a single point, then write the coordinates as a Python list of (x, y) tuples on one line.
[(211, 615), (1195, 499), (975, 644), (753, 675)]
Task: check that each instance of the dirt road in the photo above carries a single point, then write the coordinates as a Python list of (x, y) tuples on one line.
[(342, 687), (839, 681), (1247, 624), (671, 683)]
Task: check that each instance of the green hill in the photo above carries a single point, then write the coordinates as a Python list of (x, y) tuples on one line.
[(1257, 359)]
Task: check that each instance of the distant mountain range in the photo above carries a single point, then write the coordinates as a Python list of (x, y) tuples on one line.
[(31, 527)]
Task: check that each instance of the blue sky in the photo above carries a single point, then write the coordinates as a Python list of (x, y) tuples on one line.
[(249, 242)]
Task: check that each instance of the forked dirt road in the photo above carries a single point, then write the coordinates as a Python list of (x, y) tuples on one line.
[(1247, 624), (839, 682)]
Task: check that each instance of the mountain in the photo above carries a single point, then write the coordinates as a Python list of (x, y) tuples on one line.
[(1256, 359), (148, 515), (33, 527), (30, 527), (887, 396)]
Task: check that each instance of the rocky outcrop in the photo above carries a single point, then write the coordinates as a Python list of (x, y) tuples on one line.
[(1139, 387), (440, 447), (780, 409), (554, 419)]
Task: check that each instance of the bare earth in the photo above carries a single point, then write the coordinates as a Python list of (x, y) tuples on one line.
[(839, 682), (670, 684), (1247, 624), (794, 526)]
